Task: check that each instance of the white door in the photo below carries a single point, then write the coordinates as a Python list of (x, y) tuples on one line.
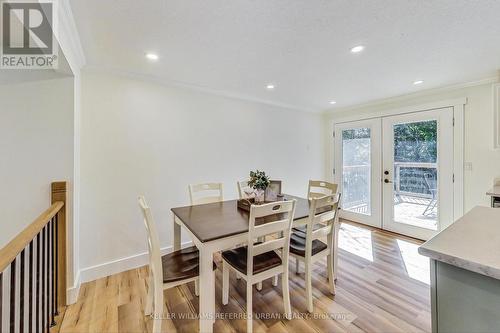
[(358, 170), (418, 172)]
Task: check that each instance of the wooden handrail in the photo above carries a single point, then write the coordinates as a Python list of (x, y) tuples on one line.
[(36, 262), (10, 251)]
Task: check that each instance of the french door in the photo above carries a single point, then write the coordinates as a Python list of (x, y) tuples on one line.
[(418, 172), (396, 172), (357, 170)]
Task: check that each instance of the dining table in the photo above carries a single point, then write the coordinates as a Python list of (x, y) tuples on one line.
[(220, 226)]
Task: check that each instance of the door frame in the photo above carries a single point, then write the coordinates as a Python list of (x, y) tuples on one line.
[(458, 106)]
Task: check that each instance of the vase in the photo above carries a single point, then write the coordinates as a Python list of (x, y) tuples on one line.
[(259, 196)]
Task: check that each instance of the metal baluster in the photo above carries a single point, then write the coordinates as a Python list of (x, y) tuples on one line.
[(43, 279), (12, 296), (53, 323), (56, 245), (21, 294), (47, 294), (30, 289), (1, 298), (37, 316)]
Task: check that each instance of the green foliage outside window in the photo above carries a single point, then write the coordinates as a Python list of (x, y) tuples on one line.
[(416, 142)]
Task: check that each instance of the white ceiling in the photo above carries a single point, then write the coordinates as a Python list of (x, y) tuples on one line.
[(302, 46)]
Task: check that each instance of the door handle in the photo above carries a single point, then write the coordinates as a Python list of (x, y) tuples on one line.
[(387, 181)]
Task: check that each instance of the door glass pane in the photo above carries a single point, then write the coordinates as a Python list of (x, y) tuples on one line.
[(415, 174), (356, 175)]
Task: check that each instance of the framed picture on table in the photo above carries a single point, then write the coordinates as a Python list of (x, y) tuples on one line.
[(273, 190)]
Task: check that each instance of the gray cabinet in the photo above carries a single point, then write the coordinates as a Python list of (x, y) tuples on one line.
[(463, 301)]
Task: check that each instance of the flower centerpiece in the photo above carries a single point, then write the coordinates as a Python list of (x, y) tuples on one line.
[(259, 182)]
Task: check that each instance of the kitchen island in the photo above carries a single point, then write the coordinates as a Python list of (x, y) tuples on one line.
[(465, 273)]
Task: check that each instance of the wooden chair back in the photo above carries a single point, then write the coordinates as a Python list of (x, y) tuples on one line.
[(322, 214), (272, 218), (155, 267), (244, 190), (205, 193), (319, 188)]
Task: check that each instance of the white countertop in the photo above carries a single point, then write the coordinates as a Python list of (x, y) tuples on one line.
[(472, 242)]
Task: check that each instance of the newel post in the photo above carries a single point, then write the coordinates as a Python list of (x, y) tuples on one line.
[(58, 193)]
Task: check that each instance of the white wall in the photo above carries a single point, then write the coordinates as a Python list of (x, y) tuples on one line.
[(151, 139), (478, 147), (36, 148), (71, 48)]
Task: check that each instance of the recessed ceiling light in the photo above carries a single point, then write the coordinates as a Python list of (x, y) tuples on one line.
[(270, 86), (418, 82), (357, 49), (152, 56), (333, 102)]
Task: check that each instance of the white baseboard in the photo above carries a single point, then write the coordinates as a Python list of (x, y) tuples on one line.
[(119, 265), (73, 292)]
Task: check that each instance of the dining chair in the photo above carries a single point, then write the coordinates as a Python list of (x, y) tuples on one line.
[(306, 245), (316, 189), (245, 191), (168, 271), (205, 193), (319, 188), (261, 260)]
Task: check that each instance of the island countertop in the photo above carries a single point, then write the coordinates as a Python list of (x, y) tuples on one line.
[(472, 242)]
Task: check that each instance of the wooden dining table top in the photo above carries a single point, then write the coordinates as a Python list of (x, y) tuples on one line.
[(218, 220)]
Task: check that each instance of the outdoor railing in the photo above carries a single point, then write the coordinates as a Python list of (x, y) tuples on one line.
[(410, 182), (414, 182), (356, 188)]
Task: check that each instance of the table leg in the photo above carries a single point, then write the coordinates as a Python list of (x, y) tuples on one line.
[(177, 235), (207, 291)]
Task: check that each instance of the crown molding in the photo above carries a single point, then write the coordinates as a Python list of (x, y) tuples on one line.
[(404, 97), (349, 117), (189, 86), (68, 37)]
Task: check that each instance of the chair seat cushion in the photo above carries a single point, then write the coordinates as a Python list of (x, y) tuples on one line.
[(303, 229), (298, 244), (182, 264), (238, 259)]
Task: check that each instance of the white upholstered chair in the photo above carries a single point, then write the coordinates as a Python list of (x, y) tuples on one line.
[(168, 271), (306, 245), (261, 260)]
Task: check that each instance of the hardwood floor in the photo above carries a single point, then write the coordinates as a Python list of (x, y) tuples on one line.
[(382, 286)]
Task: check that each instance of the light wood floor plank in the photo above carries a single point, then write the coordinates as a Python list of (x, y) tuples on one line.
[(375, 293)]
